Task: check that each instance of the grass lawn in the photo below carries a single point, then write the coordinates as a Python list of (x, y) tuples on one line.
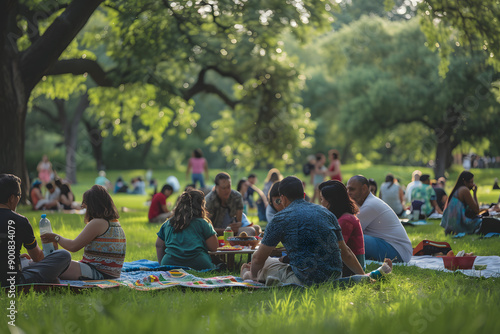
[(411, 300)]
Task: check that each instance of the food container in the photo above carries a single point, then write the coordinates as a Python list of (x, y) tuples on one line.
[(244, 241), (458, 262)]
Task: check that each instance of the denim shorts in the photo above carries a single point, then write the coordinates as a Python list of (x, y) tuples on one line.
[(90, 273)]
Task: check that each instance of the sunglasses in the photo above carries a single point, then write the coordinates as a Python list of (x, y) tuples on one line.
[(277, 201)]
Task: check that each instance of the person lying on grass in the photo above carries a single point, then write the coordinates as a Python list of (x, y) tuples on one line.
[(186, 238), (103, 238)]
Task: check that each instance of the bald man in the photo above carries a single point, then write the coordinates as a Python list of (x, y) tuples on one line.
[(384, 234)]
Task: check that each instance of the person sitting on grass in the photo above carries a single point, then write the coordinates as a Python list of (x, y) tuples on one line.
[(158, 210), (225, 207), (310, 234), (36, 193), (51, 200), (102, 238), (67, 198), (426, 194), (186, 238), (274, 199), (333, 196), (43, 269), (384, 235), (462, 209)]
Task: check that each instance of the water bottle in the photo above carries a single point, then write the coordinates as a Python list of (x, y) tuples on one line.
[(46, 228), (228, 233)]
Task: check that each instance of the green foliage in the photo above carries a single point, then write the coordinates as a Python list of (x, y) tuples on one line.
[(383, 76), (472, 25)]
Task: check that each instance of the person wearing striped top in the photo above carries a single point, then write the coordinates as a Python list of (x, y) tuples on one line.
[(103, 238)]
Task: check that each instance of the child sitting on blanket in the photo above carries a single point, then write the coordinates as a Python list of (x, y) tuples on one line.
[(186, 238)]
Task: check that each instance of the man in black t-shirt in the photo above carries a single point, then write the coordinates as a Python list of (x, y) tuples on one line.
[(15, 232)]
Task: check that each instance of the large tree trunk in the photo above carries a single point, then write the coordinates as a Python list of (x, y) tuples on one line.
[(13, 105), (445, 142)]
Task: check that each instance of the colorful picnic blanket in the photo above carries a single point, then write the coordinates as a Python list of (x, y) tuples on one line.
[(155, 280)]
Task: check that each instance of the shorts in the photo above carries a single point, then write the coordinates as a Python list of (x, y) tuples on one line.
[(90, 273)]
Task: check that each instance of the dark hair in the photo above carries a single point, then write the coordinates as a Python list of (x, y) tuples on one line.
[(9, 185), (273, 192), (292, 188), (49, 186), (361, 179), (58, 183), (319, 156), (191, 185), (274, 177), (465, 176), (222, 176), (191, 205), (198, 153), (372, 182), (336, 195), (167, 187), (99, 204), (251, 176), (65, 189), (240, 184), (389, 178), (335, 154)]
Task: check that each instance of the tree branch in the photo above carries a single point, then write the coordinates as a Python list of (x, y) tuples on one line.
[(46, 113), (200, 86), (45, 51), (81, 66)]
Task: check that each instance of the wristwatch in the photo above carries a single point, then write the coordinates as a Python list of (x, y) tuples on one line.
[(56, 238)]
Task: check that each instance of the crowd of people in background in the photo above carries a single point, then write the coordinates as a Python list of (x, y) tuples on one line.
[(353, 222)]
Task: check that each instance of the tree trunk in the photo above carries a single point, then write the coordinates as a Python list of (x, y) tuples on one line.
[(96, 142), (13, 105), (71, 137)]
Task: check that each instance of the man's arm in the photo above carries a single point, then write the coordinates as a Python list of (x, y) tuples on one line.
[(259, 258), (436, 206), (236, 225), (160, 249), (36, 254), (350, 260)]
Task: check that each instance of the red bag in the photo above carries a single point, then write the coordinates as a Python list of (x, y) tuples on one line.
[(428, 247)]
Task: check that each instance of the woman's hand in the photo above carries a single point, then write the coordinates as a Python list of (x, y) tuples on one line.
[(48, 237)]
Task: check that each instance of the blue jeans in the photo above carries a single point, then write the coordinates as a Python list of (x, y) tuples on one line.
[(198, 177), (377, 249)]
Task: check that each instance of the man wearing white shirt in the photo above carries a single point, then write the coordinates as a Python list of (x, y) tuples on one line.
[(415, 182), (384, 234)]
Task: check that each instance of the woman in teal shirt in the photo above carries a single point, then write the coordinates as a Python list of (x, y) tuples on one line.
[(186, 238)]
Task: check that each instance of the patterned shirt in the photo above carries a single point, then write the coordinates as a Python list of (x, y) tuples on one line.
[(426, 194), (107, 252), (310, 234), (218, 212)]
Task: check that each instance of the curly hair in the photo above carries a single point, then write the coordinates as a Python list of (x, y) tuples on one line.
[(191, 205)]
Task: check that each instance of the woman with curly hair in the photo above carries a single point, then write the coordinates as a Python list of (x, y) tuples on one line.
[(186, 238)]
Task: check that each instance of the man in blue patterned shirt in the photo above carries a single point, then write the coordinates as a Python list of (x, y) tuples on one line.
[(310, 234)]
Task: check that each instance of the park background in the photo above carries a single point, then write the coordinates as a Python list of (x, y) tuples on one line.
[(393, 85)]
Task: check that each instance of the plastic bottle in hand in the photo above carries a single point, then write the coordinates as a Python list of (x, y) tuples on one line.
[(46, 228)]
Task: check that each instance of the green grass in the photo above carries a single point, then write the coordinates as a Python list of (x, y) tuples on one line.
[(411, 300)]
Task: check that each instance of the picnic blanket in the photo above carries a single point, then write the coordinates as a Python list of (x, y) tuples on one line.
[(147, 280), (146, 275), (436, 263)]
